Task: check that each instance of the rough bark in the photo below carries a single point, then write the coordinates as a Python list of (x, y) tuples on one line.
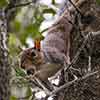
[(4, 65), (89, 59)]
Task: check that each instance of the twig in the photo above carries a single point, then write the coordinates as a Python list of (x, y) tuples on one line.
[(95, 33), (78, 52), (91, 34), (31, 77), (18, 5), (44, 88), (76, 8), (46, 29), (72, 82)]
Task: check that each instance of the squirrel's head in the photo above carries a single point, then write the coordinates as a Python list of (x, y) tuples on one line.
[(31, 59)]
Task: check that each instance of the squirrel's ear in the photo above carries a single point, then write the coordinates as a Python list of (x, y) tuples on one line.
[(37, 44)]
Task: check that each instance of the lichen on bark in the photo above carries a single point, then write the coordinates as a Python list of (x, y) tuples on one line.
[(4, 65)]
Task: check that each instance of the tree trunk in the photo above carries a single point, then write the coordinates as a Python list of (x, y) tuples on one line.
[(4, 65)]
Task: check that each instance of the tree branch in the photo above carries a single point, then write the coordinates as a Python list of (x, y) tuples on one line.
[(72, 82), (42, 85), (76, 7), (92, 34), (19, 5), (87, 37)]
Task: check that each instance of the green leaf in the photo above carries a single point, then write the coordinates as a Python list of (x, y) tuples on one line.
[(3, 3), (39, 36), (20, 72), (98, 2), (49, 10), (13, 45), (53, 2), (32, 29), (29, 92), (12, 39), (13, 98), (17, 26)]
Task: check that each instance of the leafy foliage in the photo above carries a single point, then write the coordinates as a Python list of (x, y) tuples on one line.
[(13, 98), (20, 72), (3, 3), (50, 10), (25, 23), (98, 2)]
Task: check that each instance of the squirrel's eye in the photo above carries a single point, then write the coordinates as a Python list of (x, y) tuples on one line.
[(30, 72), (33, 53)]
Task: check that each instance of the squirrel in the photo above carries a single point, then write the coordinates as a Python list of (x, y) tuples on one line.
[(55, 48), (54, 53), (46, 60), (33, 62)]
